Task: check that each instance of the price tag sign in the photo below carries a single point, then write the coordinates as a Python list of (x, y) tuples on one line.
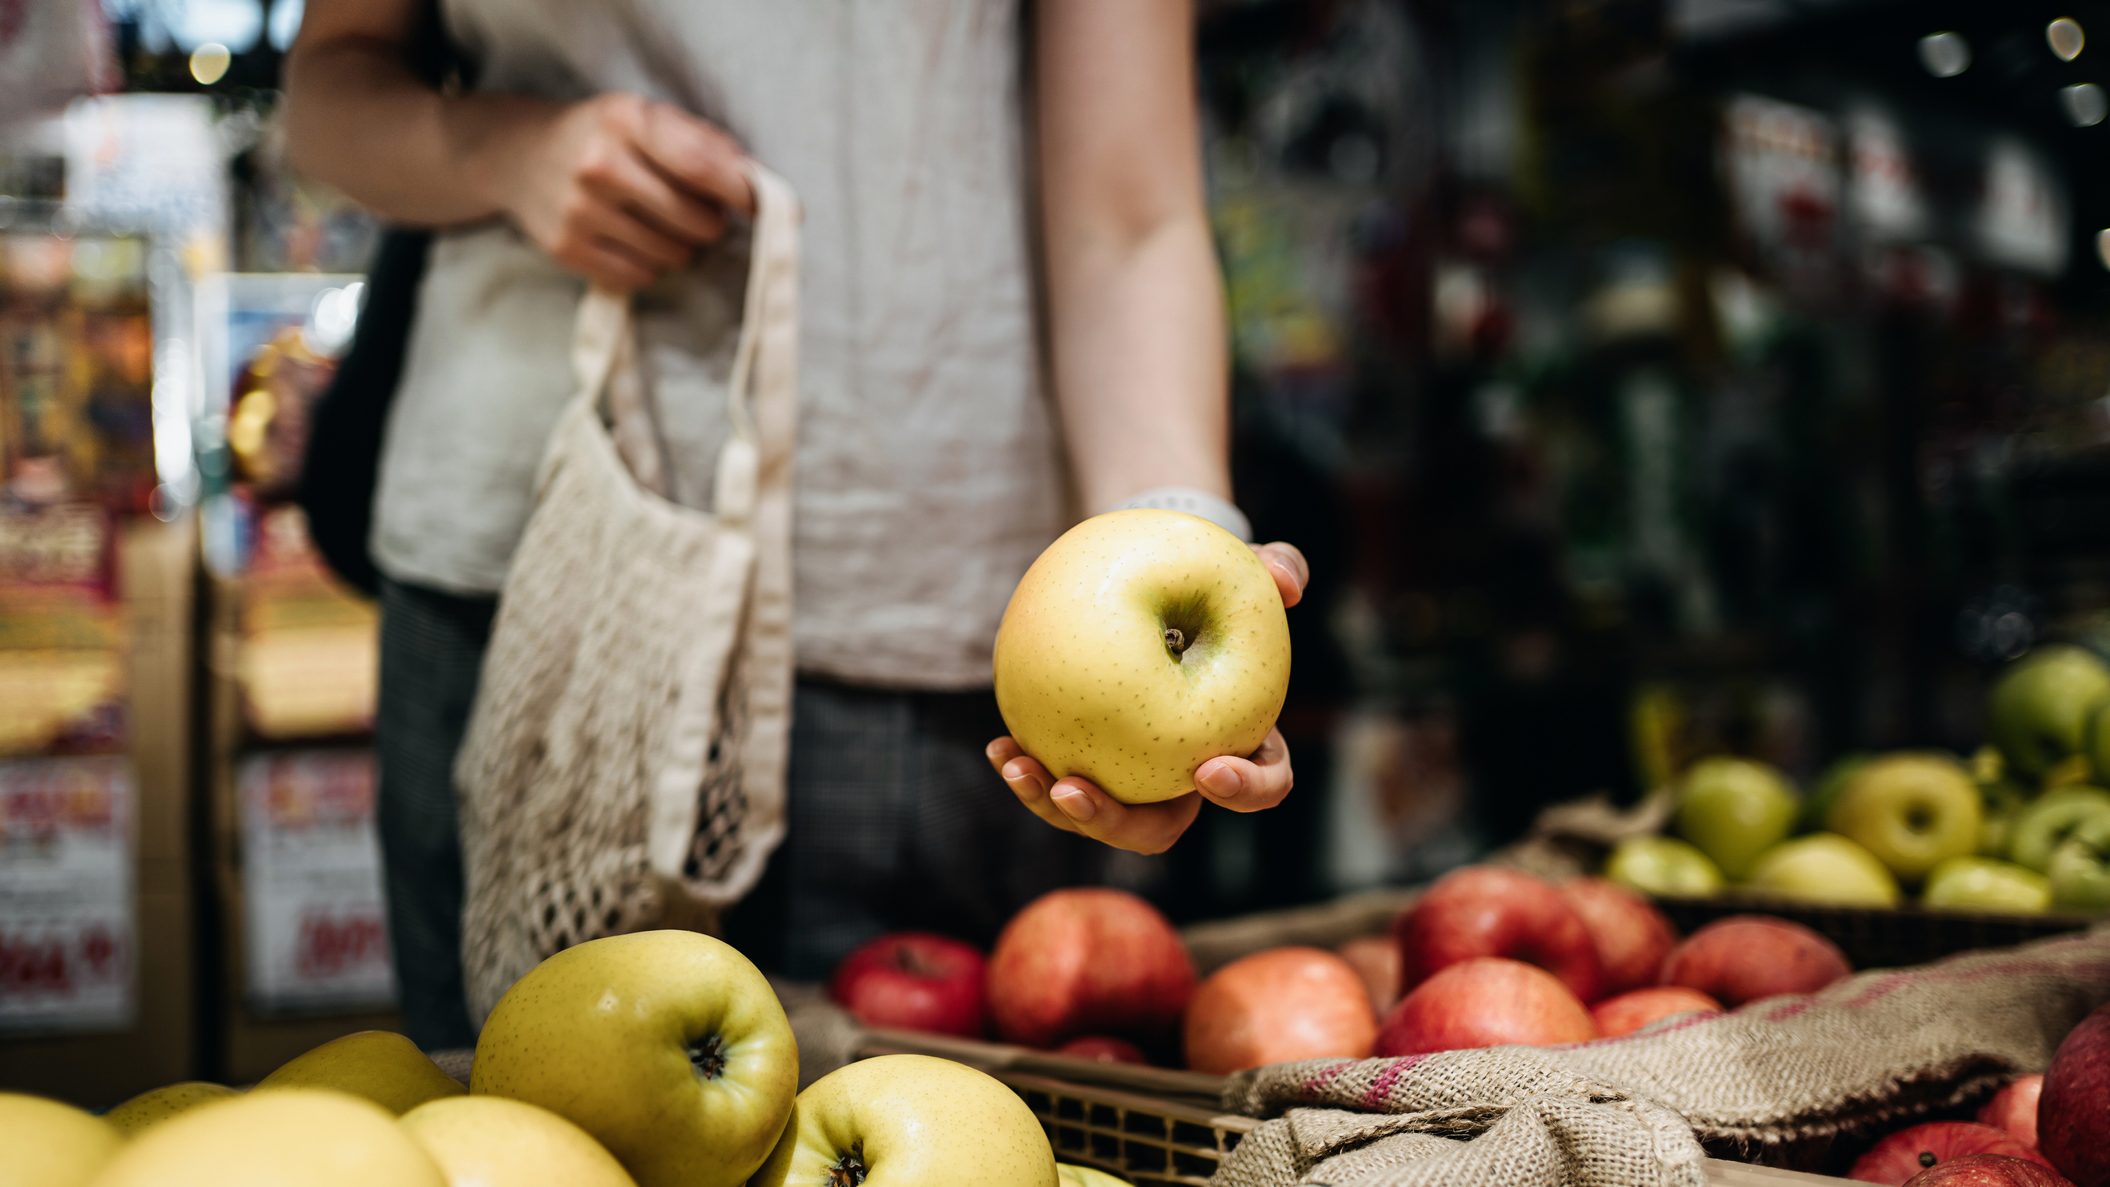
[(67, 915), (314, 918)]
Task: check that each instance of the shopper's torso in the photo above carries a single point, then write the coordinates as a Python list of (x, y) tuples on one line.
[(927, 473)]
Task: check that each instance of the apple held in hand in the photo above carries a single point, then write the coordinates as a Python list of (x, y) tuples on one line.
[(1665, 867), (667, 1046), (1631, 935), (1982, 884), (1735, 809), (2073, 1108), (1747, 957), (1988, 1170), (2080, 866), (2043, 823), (914, 981), (2038, 711), (1630, 1012), (2014, 1109), (1904, 1154), (1824, 868), (1088, 961), (1140, 645), (1279, 1006), (1912, 811), (1485, 1002), (910, 1121), (1491, 911)]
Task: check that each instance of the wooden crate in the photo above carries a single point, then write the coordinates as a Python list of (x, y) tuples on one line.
[(1154, 1127)]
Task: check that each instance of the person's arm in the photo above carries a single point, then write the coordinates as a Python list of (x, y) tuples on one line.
[(1136, 322), (616, 188)]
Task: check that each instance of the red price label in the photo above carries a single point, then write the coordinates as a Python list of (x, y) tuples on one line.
[(331, 946)]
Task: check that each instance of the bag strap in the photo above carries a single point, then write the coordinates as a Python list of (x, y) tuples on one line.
[(764, 371)]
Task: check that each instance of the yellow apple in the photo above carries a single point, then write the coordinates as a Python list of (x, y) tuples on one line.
[(667, 1046), (315, 1137), (1137, 647), (490, 1141), (1824, 868), (910, 1121), (48, 1144), (1913, 811), (154, 1106), (385, 1068)]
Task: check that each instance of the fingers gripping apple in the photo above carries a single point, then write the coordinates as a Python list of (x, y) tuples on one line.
[(1140, 645)]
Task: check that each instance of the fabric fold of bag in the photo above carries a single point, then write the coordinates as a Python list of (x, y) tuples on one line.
[(1769, 1080), (624, 765)]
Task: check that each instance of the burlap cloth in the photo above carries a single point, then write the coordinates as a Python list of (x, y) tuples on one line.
[(1775, 1077)]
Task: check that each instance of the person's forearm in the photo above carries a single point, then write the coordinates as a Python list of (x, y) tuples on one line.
[(1137, 324), (358, 119)]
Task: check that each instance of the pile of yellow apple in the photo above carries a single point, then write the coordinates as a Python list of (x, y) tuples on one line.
[(661, 1059), (2021, 827)]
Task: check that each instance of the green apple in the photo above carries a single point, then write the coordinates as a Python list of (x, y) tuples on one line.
[(2039, 709), (910, 1121), (1084, 1176), (1735, 809), (1983, 884), (1825, 792), (490, 1141), (385, 1068), (668, 1047), (2080, 866), (1824, 868), (1137, 647), (314, 1137), (1663, 866), (1913, 811), (2097, 744), (152, 1107), (51, 1145), (2045, 821)]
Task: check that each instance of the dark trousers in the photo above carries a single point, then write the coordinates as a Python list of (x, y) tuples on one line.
[(895, 820)]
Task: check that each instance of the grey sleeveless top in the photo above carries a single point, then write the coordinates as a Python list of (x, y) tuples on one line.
[(928, 472)]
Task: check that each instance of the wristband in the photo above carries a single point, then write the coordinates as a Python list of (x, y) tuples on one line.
[(1221, 512)]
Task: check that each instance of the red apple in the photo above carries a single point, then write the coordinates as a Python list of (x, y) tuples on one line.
[(1988, 1170), (1637, 1008), (2014, 1109), (1103, 1049), (1897, 1158), (1631, 935), (1485, 1002), (2073, 1114), (914, 981), (1746, 957), (1279, 1006), (1490, 911), (1088, 961), (1376, 959)]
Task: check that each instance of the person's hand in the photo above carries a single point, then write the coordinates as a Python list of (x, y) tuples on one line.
[(1242, 783), (618, 188)]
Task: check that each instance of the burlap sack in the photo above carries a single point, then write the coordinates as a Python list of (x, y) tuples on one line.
[(1762, 1082)]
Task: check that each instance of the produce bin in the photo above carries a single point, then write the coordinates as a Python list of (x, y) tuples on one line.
[(1154, 1127)]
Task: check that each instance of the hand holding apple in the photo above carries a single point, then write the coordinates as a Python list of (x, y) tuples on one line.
[(1145, 656)]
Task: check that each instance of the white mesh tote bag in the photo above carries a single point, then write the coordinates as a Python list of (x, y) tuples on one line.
[(624, 763)]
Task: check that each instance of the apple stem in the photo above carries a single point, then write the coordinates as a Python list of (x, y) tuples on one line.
[(1175, 639), (707, 1056), (849, 1170)]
